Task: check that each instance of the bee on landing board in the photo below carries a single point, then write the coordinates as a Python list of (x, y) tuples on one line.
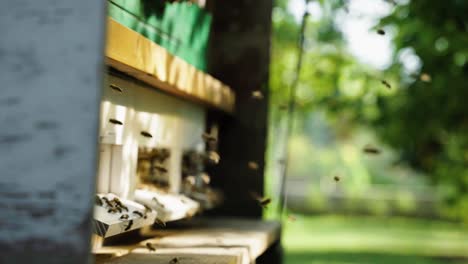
[(150, 247), (124, 217), (130, 223), (140, 214), (98, 201), (174, 261)]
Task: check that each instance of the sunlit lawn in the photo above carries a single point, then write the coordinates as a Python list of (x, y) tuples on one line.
[(368, 240)]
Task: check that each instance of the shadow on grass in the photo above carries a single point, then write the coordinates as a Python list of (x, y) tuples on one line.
[(364, 258)]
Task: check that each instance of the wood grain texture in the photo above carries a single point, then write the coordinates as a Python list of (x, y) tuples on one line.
[(137, 56)]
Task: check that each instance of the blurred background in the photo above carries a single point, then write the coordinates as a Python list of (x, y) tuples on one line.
[(374, 167)]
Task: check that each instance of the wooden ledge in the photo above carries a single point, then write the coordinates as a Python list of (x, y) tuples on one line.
[(139, 57)]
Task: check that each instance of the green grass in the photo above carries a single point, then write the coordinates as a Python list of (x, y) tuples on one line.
[(353, 240)]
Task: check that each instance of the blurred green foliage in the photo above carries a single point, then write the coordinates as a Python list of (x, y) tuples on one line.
[(423, 117)]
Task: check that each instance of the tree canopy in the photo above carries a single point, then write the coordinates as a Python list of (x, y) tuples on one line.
[(420, 113)]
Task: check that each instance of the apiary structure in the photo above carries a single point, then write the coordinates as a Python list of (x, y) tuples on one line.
[(140, 130)]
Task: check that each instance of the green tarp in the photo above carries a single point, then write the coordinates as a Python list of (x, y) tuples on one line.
[(181, 28)]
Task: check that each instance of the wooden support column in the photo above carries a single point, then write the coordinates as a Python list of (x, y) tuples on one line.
[(240, 56), (51, 69)]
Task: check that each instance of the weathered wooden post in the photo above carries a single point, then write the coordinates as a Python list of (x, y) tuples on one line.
[(51, 59)]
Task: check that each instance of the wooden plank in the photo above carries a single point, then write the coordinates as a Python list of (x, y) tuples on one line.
[(184, 255), (137, 56), (255, 235), (51, 73)]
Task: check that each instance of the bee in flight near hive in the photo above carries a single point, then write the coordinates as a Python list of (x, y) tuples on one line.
[(262, 201), (160, 222), (380, 31), (336, 178), (150, 247), (384, 82), (253, 165), (291, 218), (257, 95), (371, 150), (209, 138)]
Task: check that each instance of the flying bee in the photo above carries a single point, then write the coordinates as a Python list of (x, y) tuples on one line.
[(98, 201), (371, 150), (252, 165), (130, 223), (124, 217), (115, 121), (213, 156), (160, 222), (150, 247), (425, 77), (380, 31), (257, 95), (174, 261), (265, 202), (291, 218), (262, 201), (146, 134), (209, 138), (140, 214), (336, 178), (384, 82), (206, 178)]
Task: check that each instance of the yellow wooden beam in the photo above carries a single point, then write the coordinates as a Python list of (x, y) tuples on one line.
[(132, 53)]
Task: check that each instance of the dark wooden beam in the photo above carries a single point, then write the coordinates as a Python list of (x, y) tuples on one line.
[(240, 56)]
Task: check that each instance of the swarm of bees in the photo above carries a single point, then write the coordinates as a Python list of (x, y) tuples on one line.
[(113, 206), (150, 247)]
